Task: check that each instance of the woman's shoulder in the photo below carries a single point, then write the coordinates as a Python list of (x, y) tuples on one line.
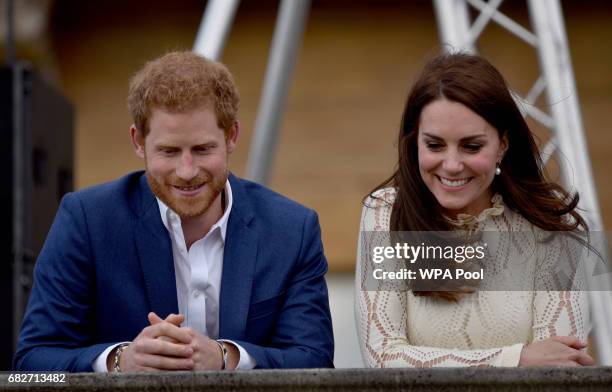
[(381, 198), (377, 209), (533, 236)]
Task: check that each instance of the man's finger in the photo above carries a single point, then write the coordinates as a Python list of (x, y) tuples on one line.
[(144, 369), (175, 319), (160, 362), (172, 318), (181, 335), (164, 348), (154, 318)]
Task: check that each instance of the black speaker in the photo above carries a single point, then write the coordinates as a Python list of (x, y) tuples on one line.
[(37, 123)]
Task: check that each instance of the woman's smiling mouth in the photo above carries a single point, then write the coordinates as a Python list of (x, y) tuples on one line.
[(458, 183)]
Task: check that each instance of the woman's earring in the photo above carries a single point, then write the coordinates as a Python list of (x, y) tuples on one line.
[(497, 169)]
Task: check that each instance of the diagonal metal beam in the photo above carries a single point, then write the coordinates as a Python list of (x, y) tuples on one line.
[(214, 28), (507, 23), (288, 32)]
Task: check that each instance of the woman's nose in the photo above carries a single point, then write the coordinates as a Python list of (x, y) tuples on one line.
[(452, 163)]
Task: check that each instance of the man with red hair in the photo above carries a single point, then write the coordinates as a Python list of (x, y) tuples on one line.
[(183, 266)]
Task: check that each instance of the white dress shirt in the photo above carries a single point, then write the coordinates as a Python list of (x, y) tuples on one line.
[(198, 273)]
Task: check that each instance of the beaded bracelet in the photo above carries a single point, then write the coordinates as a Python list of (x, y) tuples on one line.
[(116, 367), (223, 353)]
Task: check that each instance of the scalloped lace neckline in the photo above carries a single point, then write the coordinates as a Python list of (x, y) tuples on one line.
[(496, 209)]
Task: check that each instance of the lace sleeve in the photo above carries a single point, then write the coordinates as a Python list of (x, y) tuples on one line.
[(563, 310), (382, 320), (560, 313)]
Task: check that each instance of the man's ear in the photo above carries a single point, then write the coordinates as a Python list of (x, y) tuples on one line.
[(137, 141), (231, 137)]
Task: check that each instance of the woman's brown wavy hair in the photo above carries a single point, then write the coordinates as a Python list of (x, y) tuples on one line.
[(472, 81)]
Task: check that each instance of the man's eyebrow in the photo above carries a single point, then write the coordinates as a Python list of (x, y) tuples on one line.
[(206, 144)]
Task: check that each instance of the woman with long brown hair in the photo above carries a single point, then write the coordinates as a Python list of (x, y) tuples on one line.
[(468, 163)]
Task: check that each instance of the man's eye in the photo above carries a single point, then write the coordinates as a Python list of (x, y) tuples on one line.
[(168, 151), (473, 147), (201, 150)]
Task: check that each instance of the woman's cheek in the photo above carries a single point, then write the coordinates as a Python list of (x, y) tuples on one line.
[(427, 161), (482, 163)]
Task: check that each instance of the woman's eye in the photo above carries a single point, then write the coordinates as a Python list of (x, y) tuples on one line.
[(472, 147), (433, 146)]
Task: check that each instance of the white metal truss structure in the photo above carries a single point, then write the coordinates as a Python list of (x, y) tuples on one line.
[(459, 33)]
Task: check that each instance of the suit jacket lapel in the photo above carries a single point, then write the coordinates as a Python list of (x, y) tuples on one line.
[(239, 258), (155, 252)]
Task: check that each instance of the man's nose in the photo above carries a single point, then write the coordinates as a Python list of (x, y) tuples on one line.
[(187, 169)]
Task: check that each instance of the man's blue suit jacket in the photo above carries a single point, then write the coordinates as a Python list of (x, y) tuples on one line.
[(107, 262)]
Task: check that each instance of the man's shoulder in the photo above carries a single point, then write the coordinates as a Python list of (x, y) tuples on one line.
[(116, 192)]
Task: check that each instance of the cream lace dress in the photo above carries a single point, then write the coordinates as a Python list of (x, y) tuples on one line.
[(484, 328)]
